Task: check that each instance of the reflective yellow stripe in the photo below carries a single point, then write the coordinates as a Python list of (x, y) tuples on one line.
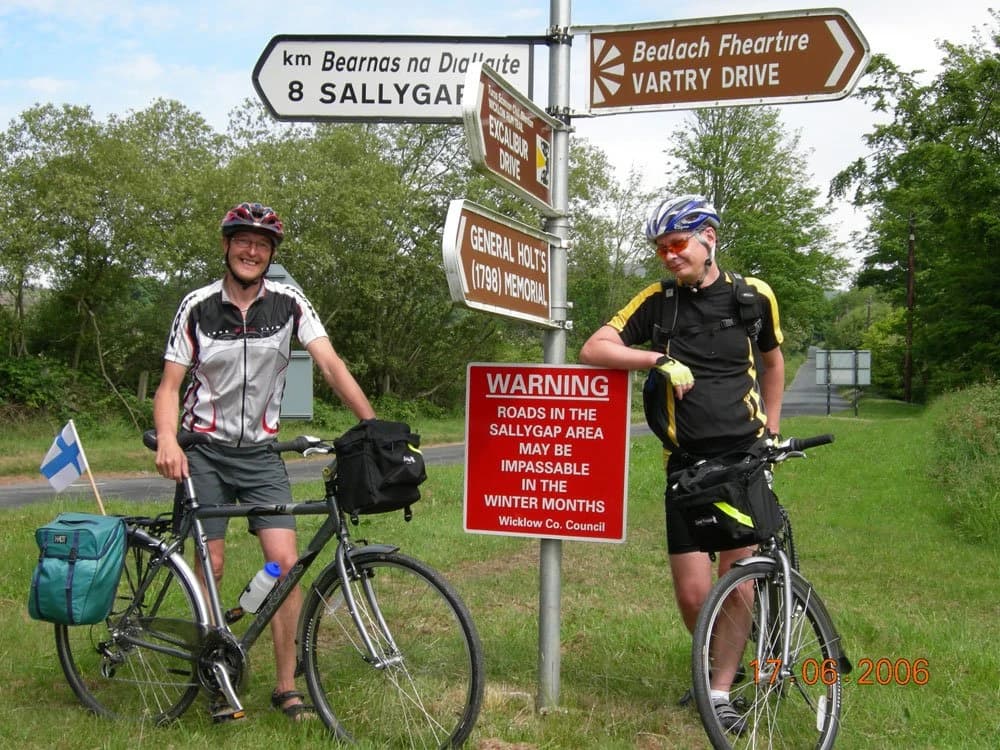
[(730, 511)]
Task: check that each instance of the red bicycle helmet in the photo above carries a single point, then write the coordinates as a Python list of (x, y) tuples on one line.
[(253, 217)]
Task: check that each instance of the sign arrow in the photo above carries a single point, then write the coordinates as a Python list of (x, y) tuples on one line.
[(846, 52)]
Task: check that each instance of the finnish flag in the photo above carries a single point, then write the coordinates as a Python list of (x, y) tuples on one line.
[(65, 461)]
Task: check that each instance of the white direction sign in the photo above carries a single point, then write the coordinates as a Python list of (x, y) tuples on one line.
[(381, 78)]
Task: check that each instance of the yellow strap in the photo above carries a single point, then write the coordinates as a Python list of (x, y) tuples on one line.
[(732, 512)]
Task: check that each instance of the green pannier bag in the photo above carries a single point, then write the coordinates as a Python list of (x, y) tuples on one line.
[(79, 563)]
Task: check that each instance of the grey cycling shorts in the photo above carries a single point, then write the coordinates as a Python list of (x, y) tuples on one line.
[(253, 475)]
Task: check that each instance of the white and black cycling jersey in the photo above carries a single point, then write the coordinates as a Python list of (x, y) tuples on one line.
[(238, 366)]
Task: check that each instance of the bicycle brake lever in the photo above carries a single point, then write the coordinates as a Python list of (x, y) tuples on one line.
[(322, 449), (788, 454)]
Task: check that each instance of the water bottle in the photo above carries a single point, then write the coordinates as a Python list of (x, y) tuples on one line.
[(259, 587)]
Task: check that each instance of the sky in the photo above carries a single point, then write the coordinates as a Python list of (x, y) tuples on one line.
[(120, 55)]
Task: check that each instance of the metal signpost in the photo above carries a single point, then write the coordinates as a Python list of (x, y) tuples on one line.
[(536, 457), (843, 367), (381, 78), (791, 56)]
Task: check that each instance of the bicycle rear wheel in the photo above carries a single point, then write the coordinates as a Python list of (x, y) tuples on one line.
[(138, 663), (427, 687), (794, 705)]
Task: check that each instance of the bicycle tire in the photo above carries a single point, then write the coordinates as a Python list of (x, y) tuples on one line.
[(799, 710), (430, 693), (120, 668)]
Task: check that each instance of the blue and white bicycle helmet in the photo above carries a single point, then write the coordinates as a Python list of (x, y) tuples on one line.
[(686, 213)]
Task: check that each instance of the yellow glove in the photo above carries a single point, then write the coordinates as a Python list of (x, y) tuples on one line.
[(678, 373)]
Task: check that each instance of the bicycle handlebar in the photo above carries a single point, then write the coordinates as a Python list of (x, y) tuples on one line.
[(184, 439), (801, 444), (304, 444), (794, 447)]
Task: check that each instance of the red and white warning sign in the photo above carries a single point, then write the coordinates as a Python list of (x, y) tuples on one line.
[(546, 451)]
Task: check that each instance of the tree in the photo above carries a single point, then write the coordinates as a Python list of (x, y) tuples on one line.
[(938, 158), (773, 223), (610, 257)]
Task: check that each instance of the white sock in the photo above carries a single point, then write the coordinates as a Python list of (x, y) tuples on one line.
[(719, 696)]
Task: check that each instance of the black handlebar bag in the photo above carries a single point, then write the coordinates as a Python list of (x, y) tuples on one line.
[(727, 502), (379, 468)]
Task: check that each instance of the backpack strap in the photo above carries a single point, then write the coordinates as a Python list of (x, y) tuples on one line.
[(663, 330), (749, 303)]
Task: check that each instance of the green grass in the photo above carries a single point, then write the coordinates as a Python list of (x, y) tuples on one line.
[(873, 535)]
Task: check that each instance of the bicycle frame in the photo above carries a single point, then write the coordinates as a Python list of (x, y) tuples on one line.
[(211, 611)]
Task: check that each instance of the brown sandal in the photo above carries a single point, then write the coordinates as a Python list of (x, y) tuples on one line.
[(295, 711)]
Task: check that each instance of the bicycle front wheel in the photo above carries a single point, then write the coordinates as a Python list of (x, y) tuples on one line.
[(423, 685), (738, 643), (138, 663)]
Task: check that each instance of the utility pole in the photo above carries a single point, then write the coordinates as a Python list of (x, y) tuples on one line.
[(910, 284)]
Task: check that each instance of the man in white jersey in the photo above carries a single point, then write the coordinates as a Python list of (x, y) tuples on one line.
[(234, 337)]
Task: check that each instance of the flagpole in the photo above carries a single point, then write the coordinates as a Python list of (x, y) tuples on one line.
[(83, 455)]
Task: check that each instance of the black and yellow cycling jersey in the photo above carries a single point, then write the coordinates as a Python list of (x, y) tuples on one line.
[(725, 408)]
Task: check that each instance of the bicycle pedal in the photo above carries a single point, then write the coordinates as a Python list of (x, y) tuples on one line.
[(234, 614), (227, 714)]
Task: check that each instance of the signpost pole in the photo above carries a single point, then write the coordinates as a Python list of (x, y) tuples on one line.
[(829, 380), (554, 342)]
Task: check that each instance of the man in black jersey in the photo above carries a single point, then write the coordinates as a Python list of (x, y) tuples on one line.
[(719, 396)]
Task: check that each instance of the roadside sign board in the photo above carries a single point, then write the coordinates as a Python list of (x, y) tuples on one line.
[(791, 56), (546, 451), (843, 367), (381, 78), (496, 264), (510, 137)]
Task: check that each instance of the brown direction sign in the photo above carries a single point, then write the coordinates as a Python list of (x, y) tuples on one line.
[(497, 264), (791, 56), (510, 137)]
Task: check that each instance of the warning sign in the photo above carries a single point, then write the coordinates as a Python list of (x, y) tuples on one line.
[(546, 451)]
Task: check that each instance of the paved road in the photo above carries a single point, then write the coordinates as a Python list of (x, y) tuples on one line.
[(802, 397)]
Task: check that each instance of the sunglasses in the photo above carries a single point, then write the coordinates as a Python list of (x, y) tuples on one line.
[(674, 245)]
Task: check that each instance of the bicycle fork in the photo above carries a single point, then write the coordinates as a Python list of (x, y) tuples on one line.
[(765, 653), (380, 660)]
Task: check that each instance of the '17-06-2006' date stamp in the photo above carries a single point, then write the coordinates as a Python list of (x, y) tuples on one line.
[(883, 671)]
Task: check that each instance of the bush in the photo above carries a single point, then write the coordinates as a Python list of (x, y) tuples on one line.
[(34, 386), (966, 438)]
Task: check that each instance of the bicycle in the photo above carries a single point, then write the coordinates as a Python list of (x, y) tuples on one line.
[(782, 644), (389, 651)]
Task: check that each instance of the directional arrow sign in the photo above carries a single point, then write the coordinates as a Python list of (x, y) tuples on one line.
[(792, 56), (496, 264), (380, 78), (510, 137)]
